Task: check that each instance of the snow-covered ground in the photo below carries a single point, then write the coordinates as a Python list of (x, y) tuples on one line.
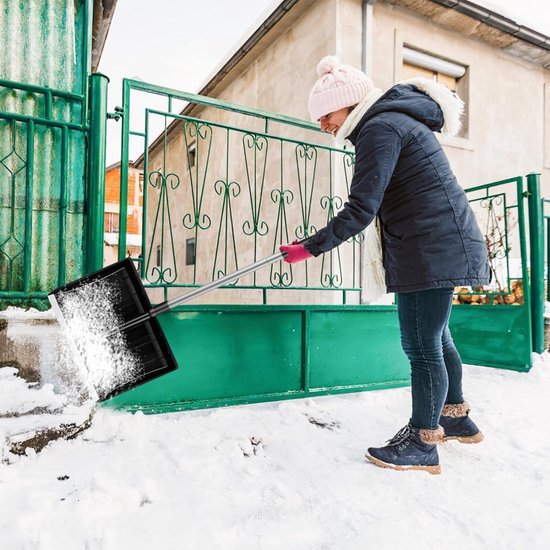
[(289, 475)]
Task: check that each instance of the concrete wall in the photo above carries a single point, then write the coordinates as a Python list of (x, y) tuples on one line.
[(29, 342)]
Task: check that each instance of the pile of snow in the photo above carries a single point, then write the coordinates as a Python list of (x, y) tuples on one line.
[(288, 474), (18, 400)]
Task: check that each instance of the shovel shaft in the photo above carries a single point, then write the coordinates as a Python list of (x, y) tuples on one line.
[(169, 304)]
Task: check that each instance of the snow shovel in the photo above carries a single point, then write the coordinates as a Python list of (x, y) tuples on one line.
[(138, 326)]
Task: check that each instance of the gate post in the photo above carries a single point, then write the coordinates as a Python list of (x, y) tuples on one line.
[(547, 258), (96, 172), (536, 242)]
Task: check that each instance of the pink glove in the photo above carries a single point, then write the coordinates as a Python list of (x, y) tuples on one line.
[(295, 252)]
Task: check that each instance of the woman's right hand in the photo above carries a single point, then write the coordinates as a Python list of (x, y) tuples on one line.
[(295, 252)]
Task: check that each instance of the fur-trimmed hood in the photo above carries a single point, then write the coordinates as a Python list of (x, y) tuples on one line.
[(429, 102)]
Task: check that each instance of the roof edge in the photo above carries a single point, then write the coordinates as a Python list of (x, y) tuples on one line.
[(222, 71), (498, 21), (103, 12)]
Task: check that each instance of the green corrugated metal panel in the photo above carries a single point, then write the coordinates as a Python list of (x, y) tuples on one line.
[(246, 354), (42, 172), (46, 44), (42, 146), (495, 336)]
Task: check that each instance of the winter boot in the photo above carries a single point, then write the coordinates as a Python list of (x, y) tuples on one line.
[(410, 449), (458, 425)]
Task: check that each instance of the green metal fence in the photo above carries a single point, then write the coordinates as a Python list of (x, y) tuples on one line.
[(499, 331), (219, 195), (43, 140), (233, 193)]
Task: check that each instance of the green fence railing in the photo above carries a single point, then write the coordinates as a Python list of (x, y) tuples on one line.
[(536, 255), (42, 171), (501, 213), (43, 153), (225, 184), (228, 188), (505, 312)]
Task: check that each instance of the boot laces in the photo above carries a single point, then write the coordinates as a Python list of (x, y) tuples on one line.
[(400, 436)]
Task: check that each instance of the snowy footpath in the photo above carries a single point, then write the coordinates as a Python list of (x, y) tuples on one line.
[(279, 476)]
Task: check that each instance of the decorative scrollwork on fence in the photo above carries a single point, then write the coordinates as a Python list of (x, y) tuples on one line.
[(281, 274), (226, 232), (164, 270), (348, 163), (257, 147), (198, 136), (306, 165), (498, 223), (11, 247), (329, 278)]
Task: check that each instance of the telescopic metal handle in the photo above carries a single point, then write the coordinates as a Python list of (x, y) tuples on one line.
[(169, 304)]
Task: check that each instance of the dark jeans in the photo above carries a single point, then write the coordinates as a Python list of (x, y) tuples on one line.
[(436, 367)]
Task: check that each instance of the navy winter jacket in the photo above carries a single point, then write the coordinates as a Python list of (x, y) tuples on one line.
[(430, 237)]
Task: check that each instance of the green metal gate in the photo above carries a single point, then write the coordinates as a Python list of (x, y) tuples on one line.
[(232, 183), (506, 325)]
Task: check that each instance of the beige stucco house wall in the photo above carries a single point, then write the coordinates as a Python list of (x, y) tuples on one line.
[(506, 111), (507, 95)]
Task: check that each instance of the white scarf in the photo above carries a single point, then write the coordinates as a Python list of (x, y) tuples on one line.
[(374, 275)]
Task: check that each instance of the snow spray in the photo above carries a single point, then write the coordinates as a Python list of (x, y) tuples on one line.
[(99, 353)]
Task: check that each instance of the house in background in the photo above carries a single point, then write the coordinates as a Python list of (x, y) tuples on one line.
[(112, 212), (500, 68)]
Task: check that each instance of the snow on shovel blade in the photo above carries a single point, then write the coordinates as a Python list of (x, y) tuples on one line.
[(95, 311)]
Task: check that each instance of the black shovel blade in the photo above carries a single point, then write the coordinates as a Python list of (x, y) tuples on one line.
[(146, 341)]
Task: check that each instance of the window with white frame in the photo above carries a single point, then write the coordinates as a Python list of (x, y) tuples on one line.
[(449, 73)]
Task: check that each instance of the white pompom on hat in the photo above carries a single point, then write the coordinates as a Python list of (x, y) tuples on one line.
[(338, 86)]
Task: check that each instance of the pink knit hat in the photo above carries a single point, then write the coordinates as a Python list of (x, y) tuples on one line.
[(338, 86)]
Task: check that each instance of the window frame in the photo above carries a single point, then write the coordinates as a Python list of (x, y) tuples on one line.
[(445, 51)]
